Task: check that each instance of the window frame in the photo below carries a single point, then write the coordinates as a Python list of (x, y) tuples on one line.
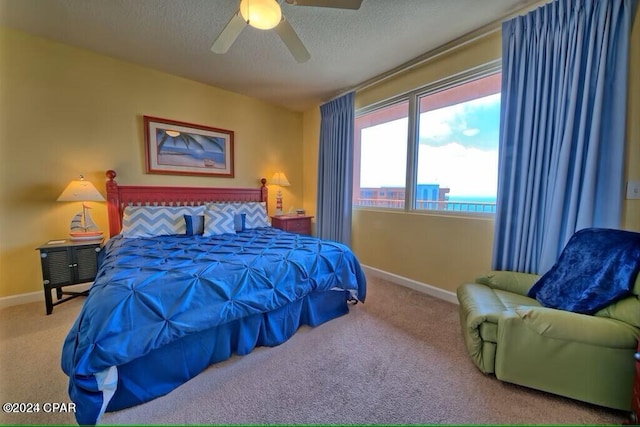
[(413, 96)]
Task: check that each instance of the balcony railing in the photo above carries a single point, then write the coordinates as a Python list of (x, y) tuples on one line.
[(433, 205)]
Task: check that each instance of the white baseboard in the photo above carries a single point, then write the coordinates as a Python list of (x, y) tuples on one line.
[(21, 299), (412, 284), (37, 296)]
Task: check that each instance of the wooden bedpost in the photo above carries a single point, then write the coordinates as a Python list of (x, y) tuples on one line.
[(113, 204), (264, 193)]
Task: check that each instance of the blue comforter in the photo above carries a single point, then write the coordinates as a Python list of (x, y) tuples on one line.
[(152, 291)]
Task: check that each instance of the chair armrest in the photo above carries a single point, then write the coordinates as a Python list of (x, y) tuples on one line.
[(511, 281), (567, 326)]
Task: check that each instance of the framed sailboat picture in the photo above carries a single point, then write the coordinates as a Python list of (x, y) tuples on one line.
[(180, 148)]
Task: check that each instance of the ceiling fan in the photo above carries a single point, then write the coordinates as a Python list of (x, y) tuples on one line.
[(267, 14)]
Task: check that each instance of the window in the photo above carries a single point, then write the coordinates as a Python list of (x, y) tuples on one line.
[(457, 155), (450, 161), (381, 146)]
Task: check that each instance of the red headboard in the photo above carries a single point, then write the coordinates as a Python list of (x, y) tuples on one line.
[(119, 196)]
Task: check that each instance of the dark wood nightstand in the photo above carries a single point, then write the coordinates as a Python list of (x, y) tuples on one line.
[(65, 262), (300, 224)]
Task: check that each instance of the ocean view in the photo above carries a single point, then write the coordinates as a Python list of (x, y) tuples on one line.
[(473, 199)]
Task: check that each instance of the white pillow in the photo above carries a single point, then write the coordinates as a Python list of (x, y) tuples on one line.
[(149, 221), (219, 220)]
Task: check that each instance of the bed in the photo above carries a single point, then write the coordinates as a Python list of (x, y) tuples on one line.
[(189, 277)]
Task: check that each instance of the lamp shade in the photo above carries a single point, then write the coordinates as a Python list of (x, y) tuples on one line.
[(279, 178), (261, 14), (80, 191)]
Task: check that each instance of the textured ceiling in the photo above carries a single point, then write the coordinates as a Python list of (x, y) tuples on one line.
[(347, 47)]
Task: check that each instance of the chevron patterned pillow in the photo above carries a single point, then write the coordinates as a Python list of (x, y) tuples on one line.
[(239, 219), (256, 214), (219, 220), (149, 221)]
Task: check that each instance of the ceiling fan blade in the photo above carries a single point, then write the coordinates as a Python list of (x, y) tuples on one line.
[(292, 41), (337, 4), (229, 34)]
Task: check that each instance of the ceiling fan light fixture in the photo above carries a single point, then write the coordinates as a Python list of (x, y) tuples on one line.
[(261, 14)]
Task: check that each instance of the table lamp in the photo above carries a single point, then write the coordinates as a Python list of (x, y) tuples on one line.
[(279, 179), (82, 226)]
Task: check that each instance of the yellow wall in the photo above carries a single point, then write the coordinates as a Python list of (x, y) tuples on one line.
[(631, 219), (67, 111), (446, 250)]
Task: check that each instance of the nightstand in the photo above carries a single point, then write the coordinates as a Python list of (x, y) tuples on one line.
[(300, 224), (65, 263)]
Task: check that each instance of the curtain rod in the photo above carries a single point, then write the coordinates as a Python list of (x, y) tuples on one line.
[(446, 48)]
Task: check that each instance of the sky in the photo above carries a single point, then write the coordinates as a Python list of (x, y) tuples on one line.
[(458, 149)]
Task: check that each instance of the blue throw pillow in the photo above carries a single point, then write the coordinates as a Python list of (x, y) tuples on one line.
[(195, 224), (597, 267), (239, 221)]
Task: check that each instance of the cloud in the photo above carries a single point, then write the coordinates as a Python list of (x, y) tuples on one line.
[(466, 171), (473, 124)]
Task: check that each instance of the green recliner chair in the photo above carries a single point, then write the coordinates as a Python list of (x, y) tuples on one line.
[(588, 357)]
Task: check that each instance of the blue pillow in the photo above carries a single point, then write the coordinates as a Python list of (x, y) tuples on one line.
[(195, 224), (597, 267), (239, 221)]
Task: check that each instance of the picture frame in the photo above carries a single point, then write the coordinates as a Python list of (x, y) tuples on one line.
[(179, 148)]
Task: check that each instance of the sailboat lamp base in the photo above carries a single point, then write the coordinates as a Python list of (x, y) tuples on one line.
[(88, 235)]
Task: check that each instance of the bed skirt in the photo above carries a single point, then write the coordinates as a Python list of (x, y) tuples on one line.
[(166, 368)]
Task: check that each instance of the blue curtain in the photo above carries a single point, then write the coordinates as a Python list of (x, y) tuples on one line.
[(563, 119), (335, 170)]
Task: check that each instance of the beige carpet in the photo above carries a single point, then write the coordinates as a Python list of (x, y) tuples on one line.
[(397, 359)]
